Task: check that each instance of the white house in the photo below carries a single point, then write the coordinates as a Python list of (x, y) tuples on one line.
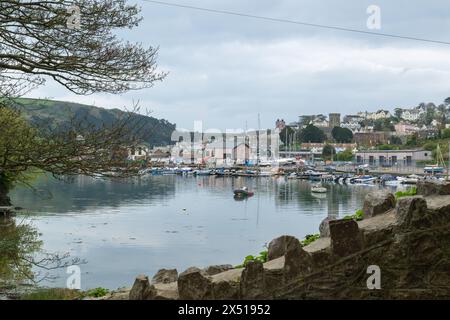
[(138, 152), (412, 114), (380, 114)]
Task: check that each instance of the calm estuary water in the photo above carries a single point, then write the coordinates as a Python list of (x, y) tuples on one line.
[(126, 228)]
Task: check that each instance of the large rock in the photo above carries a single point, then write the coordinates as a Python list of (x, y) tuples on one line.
[(252, 284), (226, 290), (165, 276), (142, 290), (345, 237), (215, 269), (428, 188), (378, 202), (194, 284), (278, 247), (296, 260), (324, 227), (410, 210)]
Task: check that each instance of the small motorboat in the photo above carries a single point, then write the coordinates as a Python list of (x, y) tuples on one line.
[(364, 179), (389, 180), (292, 175), (318, 189), (434, 169), (411, 179), (242, 193), (205, 172)]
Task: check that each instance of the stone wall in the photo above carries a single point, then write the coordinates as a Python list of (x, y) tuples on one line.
[(408, 239)]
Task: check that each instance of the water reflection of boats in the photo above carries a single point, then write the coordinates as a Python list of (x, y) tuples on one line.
[(242, 193), (319, 196), (318, 189)]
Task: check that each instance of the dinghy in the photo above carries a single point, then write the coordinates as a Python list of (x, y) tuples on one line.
[(242, 193)]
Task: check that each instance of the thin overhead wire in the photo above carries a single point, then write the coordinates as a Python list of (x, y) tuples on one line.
[(315, 25)]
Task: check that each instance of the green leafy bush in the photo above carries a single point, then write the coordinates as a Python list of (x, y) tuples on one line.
[(358, 216), (310, 238), (263, 257), (408, 193), (97, 292)]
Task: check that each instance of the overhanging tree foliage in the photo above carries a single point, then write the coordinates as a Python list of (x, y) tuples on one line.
[(38, 43)]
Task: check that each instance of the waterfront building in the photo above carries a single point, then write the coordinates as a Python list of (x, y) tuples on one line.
[(138, 152), (220, 149), (393, 157)]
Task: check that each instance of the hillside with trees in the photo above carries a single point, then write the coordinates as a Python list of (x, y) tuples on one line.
[(59, 115)]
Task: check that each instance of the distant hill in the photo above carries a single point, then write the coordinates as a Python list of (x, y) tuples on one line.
[(57, 114)]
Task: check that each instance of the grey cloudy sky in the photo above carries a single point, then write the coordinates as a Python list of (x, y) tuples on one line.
[(224, 70)]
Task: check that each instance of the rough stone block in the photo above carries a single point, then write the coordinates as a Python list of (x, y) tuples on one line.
[(410, 209), (345, 237), (215, 269), (193, 284), (226, 290), (324, 227), (252, 285), (165, 276), (378, 202), (297, 260), (277, 248), (142, 290), (429, 188)]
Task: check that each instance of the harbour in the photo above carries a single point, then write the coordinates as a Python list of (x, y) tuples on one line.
[(124, 228)]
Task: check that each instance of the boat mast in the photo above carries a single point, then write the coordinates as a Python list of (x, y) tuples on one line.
[(257, 141)]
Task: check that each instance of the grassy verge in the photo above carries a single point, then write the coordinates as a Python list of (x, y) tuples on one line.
[(408, 193), (358, 216)]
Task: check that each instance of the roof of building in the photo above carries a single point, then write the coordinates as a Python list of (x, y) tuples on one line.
[(391, 151)]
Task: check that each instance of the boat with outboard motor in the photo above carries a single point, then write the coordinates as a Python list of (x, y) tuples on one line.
[(242, 193)]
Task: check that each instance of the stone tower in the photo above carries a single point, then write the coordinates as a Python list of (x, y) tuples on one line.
[(334, 120)]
